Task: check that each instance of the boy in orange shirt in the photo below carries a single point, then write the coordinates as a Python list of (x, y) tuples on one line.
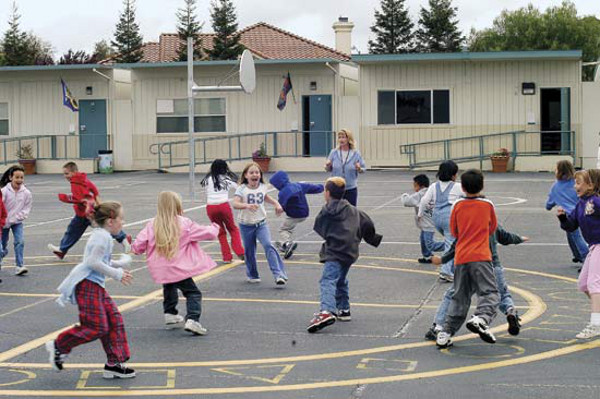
[(472, 221)]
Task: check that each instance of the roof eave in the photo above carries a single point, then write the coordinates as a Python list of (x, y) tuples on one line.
[(469, 56), (59, 67), (225, 62)]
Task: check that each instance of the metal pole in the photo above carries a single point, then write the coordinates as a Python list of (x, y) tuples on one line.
[(192, 145)]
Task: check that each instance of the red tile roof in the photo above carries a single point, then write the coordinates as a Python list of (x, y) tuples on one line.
[(263, 40)]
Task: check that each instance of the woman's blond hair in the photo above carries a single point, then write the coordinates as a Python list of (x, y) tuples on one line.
[(350, 136), (166, 224)]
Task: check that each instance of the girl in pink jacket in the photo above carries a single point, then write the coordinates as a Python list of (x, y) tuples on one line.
[(170, 242)]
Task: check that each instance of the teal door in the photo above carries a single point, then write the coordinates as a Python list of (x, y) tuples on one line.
[(316, 113), (92, 128)]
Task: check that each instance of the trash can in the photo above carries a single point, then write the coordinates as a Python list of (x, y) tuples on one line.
[(105, 161)]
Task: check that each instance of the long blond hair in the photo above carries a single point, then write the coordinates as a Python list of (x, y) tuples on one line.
[(166, 224), (350, 136)]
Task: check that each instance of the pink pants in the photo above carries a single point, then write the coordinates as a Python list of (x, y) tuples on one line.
[(589, 278)]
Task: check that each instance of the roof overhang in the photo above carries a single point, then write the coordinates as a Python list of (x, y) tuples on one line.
[(141, 65), (468, 56), (60, 67)]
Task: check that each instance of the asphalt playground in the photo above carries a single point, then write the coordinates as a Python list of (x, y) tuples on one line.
[(257, 345)]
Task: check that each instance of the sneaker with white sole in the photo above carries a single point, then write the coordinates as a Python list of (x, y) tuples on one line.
[(290, 247), (56, 358), (195, 327), (117, 371), (253, 280), (173, 318), (320, 320), (433, 332), (443, 340), (281, 281), (20, 271), (478, 326), (514, 321), (344, 315), (56, 251), (590, 331)]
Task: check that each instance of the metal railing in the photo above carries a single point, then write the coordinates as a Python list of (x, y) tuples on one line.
[(241, 146), (480, 148), (66, 146)]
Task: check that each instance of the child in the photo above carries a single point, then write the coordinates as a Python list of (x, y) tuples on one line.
[(17, 200), (250, 198), (440, 196), (174, 256), (84, 195), (218, 182), (507, 305), (342, 226), (472, 221), (563, 194), (292, 197), (3, 216), (428, 244), (99, 317), (586, 216)]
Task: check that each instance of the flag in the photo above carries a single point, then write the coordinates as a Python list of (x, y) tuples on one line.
[(68, 100), (287, 87)]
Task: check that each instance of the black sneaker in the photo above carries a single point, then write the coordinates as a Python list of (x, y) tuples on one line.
[(56, 358), (117, 371), (290, 247), (432, 333), (344, 315), (478, 326), (514, 322), (424, 259)]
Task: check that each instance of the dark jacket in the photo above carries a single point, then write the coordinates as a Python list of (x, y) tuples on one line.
[(292, 196), (585, 216), (500, 236), (343, 227)]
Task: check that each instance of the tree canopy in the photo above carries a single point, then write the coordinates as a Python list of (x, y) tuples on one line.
[(392, 29), (438, 28), (128, 40), (226, 45), (188, 26)]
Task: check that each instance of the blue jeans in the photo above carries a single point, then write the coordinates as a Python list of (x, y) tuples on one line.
[(441, 220), (335, 294), (429, 245), (75, 230), (19, 243), (351, 196), (577, 244), (506, 301), (260, 231)]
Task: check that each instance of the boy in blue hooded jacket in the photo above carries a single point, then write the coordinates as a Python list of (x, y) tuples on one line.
[(292, 197)]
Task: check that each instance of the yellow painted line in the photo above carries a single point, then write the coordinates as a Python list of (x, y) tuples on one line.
[(26, 347), (542, 274)]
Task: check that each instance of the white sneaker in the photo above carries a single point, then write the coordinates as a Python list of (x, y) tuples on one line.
[(56, 251), (280, 281), (478, 326), (443, 339), (21, 271), (253, 280), (590, 331), (173, 318), (195, 327)]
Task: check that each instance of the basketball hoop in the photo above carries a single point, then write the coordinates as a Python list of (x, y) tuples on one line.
[(247, 77)]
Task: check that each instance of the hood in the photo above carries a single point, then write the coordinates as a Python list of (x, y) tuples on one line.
[(78, 178), (279, 180), (338, 209)]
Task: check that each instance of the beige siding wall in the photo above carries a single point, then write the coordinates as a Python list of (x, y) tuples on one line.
[(485, 98), (256, 112)]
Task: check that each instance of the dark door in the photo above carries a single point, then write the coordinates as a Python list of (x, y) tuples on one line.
[(555, 120), (92, 128), (316, 123)]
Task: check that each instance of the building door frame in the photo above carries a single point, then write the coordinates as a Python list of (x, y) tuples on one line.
[(93, 127), (317, 125)]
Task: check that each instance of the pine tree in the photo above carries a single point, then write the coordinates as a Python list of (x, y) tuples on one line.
[(102, 51), (188, 26), (14, 44), (226, 44), (75, 57), (392, 29), (438, 28), (128, 41)]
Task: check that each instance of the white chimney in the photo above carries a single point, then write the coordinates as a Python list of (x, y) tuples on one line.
[(343, 35)]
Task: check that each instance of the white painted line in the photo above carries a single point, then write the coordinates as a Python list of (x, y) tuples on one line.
[(46, 222), (540, 244)]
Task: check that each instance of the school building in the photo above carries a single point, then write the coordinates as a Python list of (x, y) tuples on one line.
[(410, 110)]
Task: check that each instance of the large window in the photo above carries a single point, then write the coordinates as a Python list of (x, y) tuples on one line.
[(4, 119), (413, 106), (209, 115)]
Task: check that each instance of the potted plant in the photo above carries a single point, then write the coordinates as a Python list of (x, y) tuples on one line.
[(500, 160), (261, 157), (26, 159)]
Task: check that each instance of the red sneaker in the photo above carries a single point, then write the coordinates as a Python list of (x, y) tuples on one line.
[(56, 251), (320, 320)]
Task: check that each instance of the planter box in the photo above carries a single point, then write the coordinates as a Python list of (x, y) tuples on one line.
[(263, 162), (500, 164), (28, 165)]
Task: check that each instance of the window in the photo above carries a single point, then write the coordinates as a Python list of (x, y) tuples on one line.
[(413, 106), (209, 115), (4, 119)]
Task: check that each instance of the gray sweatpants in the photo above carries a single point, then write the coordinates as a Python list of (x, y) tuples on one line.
[(286, 230), (472, 278)]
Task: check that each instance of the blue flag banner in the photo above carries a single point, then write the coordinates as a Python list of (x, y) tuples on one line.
[(287, 87), (68, 100)]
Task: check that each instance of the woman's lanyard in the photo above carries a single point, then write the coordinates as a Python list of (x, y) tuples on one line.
[(344, 162)]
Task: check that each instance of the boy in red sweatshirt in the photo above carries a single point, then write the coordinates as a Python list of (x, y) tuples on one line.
[(84, 196)]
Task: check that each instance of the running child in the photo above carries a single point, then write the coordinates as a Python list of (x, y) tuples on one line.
[(17, 200), (586, 216), (218, 181), (174, 257), (3, 216), (472, 221), (563, 194), (250, 198), (342, 226), (84, 196), (292, 197), (428, 244), (99, 317)]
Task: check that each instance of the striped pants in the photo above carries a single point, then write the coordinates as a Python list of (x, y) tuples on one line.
[(99, 318)]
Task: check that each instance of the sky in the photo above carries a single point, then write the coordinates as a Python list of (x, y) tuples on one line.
[(78, 24)]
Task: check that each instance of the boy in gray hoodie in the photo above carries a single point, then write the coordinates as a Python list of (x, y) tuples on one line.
[(343, 227)]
